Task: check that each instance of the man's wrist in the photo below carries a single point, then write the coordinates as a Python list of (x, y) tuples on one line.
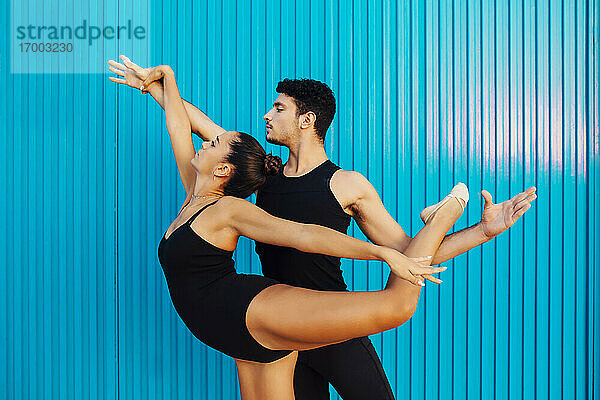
[(480, 229)]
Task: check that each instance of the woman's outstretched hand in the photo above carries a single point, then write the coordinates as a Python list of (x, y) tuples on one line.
[(133, 75), (156, 74), (413, 270)]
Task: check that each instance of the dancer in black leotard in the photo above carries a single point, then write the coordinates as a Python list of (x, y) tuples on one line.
[(259, 322), (200, 277)]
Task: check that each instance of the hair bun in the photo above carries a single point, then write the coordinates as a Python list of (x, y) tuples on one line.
[(272, 164)]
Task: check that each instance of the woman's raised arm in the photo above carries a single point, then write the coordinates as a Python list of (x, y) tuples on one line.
[(251, 221), (133, 75), (178, 124)]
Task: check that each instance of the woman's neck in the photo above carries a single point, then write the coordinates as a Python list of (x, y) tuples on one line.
[(207, 187)]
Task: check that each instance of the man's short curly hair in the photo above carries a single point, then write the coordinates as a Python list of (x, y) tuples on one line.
[(311, 95)]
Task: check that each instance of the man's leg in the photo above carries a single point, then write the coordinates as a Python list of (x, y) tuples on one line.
[(308, 383), (353, 368)]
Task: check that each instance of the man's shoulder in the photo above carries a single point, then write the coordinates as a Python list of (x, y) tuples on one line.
[(349, 186), (351, 180)]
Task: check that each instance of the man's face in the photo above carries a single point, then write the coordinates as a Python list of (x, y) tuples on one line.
[(282, 122)]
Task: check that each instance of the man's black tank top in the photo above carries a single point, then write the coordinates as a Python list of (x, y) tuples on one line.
[(307, 199)]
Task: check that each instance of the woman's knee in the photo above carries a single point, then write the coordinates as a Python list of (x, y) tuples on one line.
[(397, 312)]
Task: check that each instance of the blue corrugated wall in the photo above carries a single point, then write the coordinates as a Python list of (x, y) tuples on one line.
[(500, 95)]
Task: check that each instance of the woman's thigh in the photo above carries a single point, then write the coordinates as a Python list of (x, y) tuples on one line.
[(287, 317)]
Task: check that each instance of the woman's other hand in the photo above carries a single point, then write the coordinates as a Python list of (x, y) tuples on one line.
[(156, 74), (133, 74), (413, 270)]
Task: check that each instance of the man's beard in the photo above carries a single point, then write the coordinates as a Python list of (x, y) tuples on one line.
[(278, 141)]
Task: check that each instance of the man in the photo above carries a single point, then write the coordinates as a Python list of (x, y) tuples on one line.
[(311, 189)]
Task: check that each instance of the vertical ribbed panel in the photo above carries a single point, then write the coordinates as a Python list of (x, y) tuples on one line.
[(58, 302), (501, 96)]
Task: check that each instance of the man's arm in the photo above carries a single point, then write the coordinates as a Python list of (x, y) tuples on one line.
[(495, 219), (459, 242), (359, 199)]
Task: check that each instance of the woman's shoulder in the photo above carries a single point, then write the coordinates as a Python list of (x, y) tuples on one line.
[(233, 204), (230, 210), (232, 201)]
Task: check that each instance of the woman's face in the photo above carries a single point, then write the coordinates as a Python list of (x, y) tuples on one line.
[(212, 153)]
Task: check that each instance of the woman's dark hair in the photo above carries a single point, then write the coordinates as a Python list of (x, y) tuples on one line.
[(251, 166), (311, 95)]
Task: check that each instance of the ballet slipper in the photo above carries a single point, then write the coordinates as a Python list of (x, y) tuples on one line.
[(458, 192)]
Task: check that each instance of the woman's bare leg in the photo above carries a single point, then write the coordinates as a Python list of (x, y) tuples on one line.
[(259, 381), (424, 244), (287, 317)]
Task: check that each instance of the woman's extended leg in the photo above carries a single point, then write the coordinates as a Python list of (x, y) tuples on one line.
[(287, 317)]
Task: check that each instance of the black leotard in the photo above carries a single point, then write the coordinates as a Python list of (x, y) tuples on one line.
[(209, 296)]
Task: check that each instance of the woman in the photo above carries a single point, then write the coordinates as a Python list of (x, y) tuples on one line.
[(256, 320)]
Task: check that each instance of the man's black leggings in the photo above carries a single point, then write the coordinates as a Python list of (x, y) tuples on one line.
[(352, 367)]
